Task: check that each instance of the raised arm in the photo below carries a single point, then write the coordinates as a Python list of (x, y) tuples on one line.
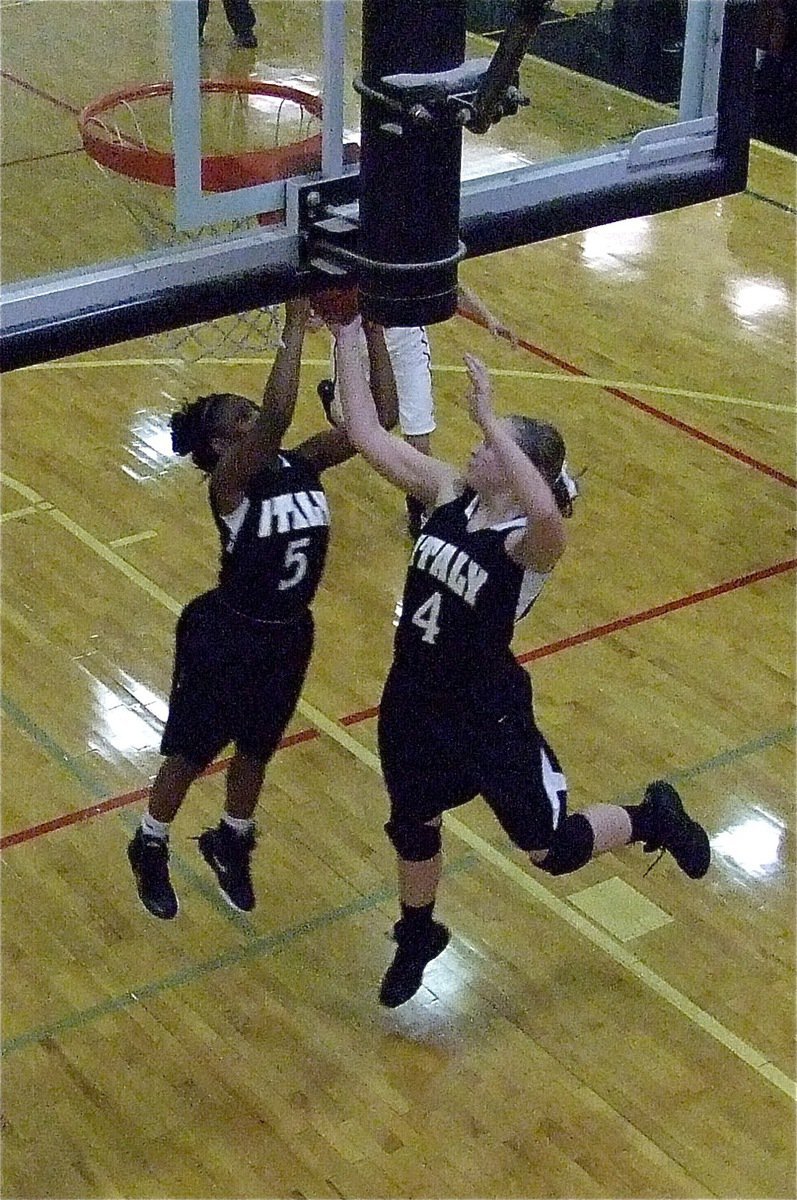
[(472, 306), (244, 456), (333, 446), (431, 480), (542, 542)]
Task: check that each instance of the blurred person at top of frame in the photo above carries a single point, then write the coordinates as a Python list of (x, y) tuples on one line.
[(776, 73), (240, 18)]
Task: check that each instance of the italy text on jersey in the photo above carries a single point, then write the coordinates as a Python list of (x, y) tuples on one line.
[(451, 566), (293, 510)]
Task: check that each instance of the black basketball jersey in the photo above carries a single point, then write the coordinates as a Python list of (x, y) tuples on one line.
[(273, 547), (462, 597)]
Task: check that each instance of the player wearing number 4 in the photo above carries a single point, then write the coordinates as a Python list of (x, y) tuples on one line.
[(457, 718), (242, 649)]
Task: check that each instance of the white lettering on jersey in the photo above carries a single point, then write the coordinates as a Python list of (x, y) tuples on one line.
[(453, 567), (293, 510), (555, 786)]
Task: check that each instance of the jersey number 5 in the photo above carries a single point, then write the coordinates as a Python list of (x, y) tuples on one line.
[(295, 563), (426, 618)]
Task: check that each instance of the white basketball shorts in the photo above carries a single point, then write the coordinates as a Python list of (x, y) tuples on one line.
[(411, 358)]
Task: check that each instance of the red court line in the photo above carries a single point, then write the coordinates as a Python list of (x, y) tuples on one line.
[(96, 810), (647, 614), (659, 610), (307, 735), (23, 83), (650, 409), (674, 422), (363, 715)]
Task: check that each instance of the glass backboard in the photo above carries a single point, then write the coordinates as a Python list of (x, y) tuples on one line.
[(133, 186)]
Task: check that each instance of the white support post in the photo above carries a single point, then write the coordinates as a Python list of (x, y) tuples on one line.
[(334, 44), (186, 108), (700, 70)]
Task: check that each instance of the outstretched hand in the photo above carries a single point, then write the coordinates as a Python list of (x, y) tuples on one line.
[(499, 330), (480, 401), (346, 328)]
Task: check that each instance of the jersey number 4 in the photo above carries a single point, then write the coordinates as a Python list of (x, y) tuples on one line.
[(426, 618), (295, 563)]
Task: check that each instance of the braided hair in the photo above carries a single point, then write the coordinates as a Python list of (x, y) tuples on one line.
[(194, 426), (544, 446)]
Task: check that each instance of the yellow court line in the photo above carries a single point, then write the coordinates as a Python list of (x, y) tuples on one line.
[(592, 933), (13, 513), (132, 538), (104, 552), (506, 372), (89, 363), (628, 386)]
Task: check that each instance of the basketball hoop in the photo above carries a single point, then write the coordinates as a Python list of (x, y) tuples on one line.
[(260, 132)]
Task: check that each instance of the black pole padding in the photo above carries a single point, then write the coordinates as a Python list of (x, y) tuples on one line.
[(409, 172), (736, 93)]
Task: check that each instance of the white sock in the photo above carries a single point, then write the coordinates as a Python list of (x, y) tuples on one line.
[(152, 828), (241, 825)]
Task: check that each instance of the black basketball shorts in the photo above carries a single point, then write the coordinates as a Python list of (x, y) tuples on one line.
[(441, 748), (235, 680)]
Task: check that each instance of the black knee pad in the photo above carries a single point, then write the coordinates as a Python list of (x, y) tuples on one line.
[(571, 847), (414, 841)]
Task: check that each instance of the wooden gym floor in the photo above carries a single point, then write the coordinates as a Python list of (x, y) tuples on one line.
[(608, 1034)]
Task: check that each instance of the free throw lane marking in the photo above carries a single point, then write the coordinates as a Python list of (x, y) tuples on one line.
[(438, 368)]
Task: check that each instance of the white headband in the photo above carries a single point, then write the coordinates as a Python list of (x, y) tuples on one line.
[(567, 479)]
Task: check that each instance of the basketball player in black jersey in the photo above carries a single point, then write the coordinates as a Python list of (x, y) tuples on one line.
[(242, 649), (456, 718)]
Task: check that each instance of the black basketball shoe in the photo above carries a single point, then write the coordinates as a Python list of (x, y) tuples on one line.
[(415, 951), (149, 858), (229, 855), (326, 394), (667, 826), (416, 517)]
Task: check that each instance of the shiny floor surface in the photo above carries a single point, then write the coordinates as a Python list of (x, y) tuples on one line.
[(612, 1033)]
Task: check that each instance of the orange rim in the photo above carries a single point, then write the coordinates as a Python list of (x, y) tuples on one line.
[(220, 172)]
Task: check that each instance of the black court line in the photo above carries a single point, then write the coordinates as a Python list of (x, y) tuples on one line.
[(34, 158), (770, 200)]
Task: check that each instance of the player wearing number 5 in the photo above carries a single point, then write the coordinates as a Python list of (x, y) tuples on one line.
[(456, 718), (243, 648)]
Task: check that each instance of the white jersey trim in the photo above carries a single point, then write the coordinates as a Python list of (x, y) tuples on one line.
[(554, 784), (530, 588), (512, 523), (235, 520), (533, 581)]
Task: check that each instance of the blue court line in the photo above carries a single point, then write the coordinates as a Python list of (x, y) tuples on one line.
[(728, 757), (725, 759), (93, 785), (87, 779), (268, 944), (260, 947)]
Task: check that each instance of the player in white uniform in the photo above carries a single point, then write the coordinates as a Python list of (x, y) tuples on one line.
[(411, 358)]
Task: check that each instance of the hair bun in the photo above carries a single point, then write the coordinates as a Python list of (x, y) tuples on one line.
[(181, 432)]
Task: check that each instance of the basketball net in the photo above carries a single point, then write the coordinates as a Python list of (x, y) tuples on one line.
[(124, 133)]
